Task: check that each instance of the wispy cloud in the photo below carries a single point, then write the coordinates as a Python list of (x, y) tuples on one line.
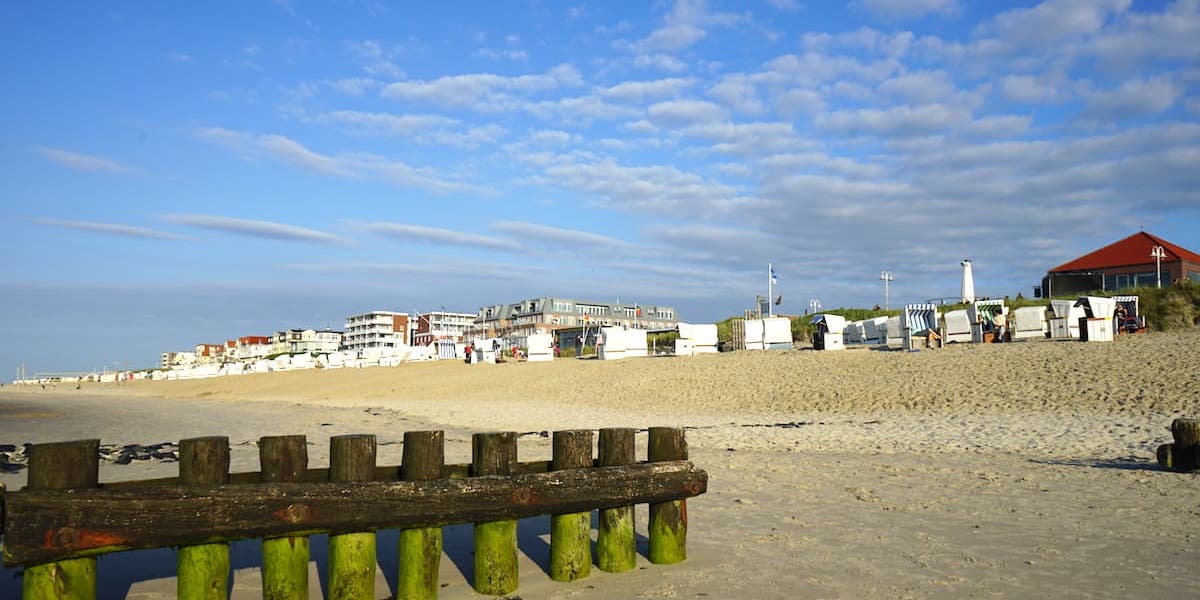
[(256, 229), (82, 162), (555, 235), (112, 229), (284, 149), (436, 235)]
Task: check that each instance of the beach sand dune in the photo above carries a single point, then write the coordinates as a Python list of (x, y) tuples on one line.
[(1009, 471)]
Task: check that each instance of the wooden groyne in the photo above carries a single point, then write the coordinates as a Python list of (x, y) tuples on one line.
[(64, 518)]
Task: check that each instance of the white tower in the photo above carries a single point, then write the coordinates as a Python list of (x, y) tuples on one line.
[(968, 281)]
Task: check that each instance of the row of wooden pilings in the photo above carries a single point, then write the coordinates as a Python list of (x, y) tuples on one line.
[(204, 568)]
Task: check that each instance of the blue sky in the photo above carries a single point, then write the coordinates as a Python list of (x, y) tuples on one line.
[(183, 173)]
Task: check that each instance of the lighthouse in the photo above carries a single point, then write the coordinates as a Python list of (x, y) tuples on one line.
[(968, 281)]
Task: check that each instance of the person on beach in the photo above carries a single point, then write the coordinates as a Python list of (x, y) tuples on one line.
[(1000, 323), (468, 353)]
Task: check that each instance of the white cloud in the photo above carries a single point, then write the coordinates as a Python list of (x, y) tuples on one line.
[(255, 228), (738, 94), (404, 232), (249, 147), (377, 58), (355, 86), (179, 57), (671, 38), (1136, 97), (910, 9), (678, 112), (1053, 21), (897, 120), (556, 236), (112, 229), (919, 86), (82, 162), (1030, 89), (482, 90), (638, 91), (294, 153)]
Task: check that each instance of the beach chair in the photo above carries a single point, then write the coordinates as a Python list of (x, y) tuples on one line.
[(919, 324), (612, 344), (828, 335), (981, 314), (1028, 322), (777, 333), (957, 326), (1065, 322), (1126, 318), (893, 332), (1097, 325)]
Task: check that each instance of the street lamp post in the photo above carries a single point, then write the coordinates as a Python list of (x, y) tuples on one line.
[(1158, 253), (886, 277), (814, 306)]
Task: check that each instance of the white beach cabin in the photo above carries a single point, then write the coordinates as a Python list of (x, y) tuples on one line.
[(1065, 322), (635, 343), (777, 333), (853, 333), (540, 347), (611, 345), (828, 335), (875, 330)]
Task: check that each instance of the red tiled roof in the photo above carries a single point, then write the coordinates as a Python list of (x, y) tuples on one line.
[(1133, 250)]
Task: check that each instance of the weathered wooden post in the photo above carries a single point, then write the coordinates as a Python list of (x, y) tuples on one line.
[(571, 533), (1184, 453), (616, 549), (420, 548), (61, 466), (284, 459), (203, 568), (495, 541), (352, 555), (668, 520)]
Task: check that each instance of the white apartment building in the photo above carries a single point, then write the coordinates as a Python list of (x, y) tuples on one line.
[(376, 329), (306, 340), (441, 325)]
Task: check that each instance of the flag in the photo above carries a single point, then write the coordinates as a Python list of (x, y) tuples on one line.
[(779, 300), (774, 277)]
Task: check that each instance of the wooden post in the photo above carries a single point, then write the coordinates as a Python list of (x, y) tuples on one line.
[(285, 560), (616, 549), (1187, 443), (351, 555), (668, 520), (571, 533), (420, 549), (203, 568), (61, 466), (495, 541)]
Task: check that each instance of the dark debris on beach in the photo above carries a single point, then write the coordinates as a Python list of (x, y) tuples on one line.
[(14, 458)]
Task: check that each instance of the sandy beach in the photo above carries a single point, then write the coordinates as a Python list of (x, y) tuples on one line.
[(996, 471)]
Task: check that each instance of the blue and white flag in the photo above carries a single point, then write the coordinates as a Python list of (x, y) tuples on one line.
[(774, 277)]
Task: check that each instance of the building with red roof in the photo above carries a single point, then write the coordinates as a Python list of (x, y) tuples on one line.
[(1123, 264)]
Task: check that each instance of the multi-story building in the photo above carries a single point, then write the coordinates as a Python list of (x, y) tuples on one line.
[(253, 346), (177, 359), (209, 354), (515, 322), (441, 325), (306, 340), (376, 329)]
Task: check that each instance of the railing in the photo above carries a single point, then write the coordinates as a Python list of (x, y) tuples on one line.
[(57, 524)]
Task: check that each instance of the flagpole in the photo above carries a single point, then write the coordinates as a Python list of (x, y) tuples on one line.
[(770, 290)]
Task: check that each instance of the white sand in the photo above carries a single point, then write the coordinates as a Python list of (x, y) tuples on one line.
[(1014, 471)]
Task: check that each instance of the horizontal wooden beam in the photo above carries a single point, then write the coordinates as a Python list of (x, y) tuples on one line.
[(321, 475), (50, 525)]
